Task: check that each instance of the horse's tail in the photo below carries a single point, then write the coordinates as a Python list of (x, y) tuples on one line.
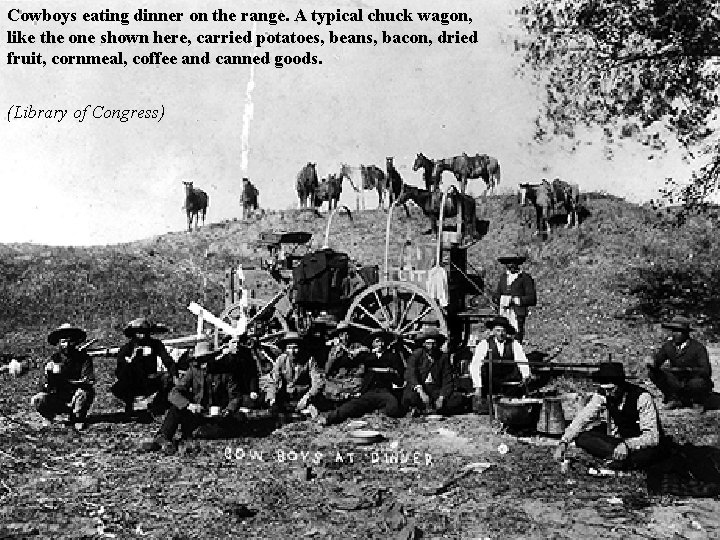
[(497, 175)]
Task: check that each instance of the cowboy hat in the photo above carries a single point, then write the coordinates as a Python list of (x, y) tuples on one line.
[(67, 331), (341, 327), (431, 333), (143, 325), (290, 337), (610, 372), (683, 324), (203, 351), (380, 333), (510, 258), (500, 321)]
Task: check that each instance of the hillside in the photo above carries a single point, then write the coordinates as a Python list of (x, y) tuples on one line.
[(601, 288)]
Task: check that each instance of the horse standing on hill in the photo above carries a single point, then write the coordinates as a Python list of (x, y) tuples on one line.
[(371, 177), (394, 181), (249, 198), (196, 202), (541, 197), (306, 185), (428, 167), (430, 201), (467, 168), (329, 190), (568, 195)]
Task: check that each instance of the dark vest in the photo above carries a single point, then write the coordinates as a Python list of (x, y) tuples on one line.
[(627, 419), (507, 354)]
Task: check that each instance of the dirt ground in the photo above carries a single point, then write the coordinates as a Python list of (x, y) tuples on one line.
[(58, 483)]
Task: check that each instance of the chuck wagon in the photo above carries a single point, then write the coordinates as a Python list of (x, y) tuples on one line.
[(297, 288)]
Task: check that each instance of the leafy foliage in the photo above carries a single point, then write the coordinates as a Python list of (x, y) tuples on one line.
[(639, 69)]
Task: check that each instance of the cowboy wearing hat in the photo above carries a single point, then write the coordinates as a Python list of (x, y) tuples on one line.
[(429, 376), (137, 366), (687, 379), (204, 403), (505, 353), (67, 385), (635, 426), (383, 374), (236, 357), (295, 377), (515, 293)]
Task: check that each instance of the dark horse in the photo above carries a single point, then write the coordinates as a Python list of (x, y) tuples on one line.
[(306, 185), (394, 180), (196, 202), (467, 168), (430, 202), (428, 167), (329, 190), (249, 198), (568, 195)]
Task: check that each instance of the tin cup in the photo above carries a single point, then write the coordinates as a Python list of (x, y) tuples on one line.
[(214, 410)]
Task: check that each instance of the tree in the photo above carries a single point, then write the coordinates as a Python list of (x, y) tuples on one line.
[(646, 69)]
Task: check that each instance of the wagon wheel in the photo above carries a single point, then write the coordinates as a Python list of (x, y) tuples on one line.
[(399, 307), (264, 332)]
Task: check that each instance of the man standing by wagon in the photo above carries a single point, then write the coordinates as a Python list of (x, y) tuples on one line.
[(137, 367), (515, 293), (687, 378), (67, 384)]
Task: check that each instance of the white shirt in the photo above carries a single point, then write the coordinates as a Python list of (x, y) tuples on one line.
[(511, 277), (480, 355)]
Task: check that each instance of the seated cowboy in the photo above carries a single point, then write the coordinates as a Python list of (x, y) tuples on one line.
[(296, 380), (341, 369), (687, 378), (137, 367), (383, 373), (68, 378), (237, 359), (509, 363), (636, 433), (429, 377), (204, 403)]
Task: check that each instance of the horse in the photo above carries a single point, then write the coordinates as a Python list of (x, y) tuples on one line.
[(428, 166), (371, 177), (568, 195), (329, 190), (541, 197), (466, 168), (196, 202), (306, 185), (430, 201), (487, 168), (249, 198), (394, 181)]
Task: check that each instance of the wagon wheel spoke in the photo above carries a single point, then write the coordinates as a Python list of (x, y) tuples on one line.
[(363, 308), (272, 336), (407, 308), (362, 326), (409, 325), (383, 309)]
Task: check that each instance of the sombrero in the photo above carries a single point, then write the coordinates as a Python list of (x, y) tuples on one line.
[(145, 326), (610, 372), (67, 331), (501, 321), (290, 337), (431, 333), (510, 258), (683, 324), (341, 327)]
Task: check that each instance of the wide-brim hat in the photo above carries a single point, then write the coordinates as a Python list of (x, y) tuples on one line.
[(431, 333), (501, 321), (683, 324), (67, 331), (143, 325), (289, 337), (341, 327), (385, 335), (204, 351), (510, 258), (610, 372)]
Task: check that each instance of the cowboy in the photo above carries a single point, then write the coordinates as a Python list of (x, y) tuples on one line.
[(137, 367), (515, 292), (687, 379), (342, 379), (383, 373), (509, 363), (204, 404), (67, 384), (295, 378), (635, 426), (236, 358), (429, 377)]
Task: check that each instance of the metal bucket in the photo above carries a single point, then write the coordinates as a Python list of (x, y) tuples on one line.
[(552, 417)]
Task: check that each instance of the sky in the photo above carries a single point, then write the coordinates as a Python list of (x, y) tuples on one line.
[(102, 181)]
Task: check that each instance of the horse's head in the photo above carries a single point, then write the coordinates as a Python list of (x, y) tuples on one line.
[(188, 186), (389, 161), (419, 162)]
